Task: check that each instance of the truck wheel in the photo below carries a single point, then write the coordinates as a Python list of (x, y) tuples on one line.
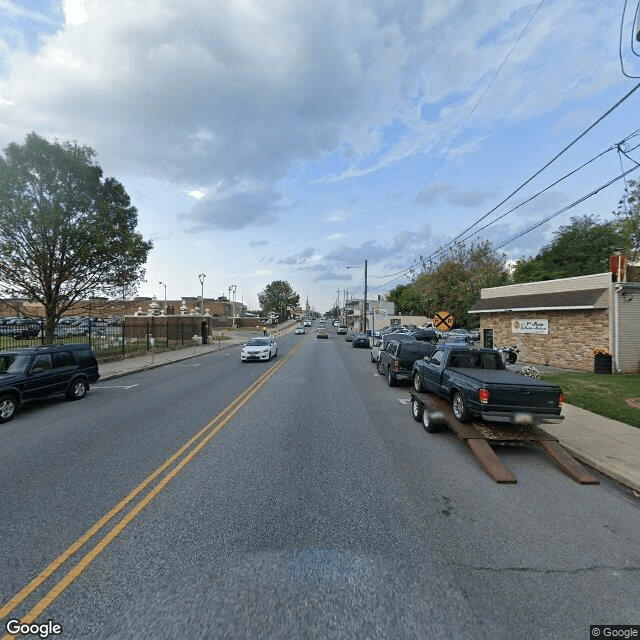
[(512, 357), (416, 409), (391, 378), (417, 382), (380, 368), (7, 408), (429, 425), (460, 409)]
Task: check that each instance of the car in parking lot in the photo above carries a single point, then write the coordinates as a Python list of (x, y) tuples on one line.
[(259, 349), (29, 373)]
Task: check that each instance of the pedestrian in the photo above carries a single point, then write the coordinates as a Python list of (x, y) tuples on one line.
[(264, 331)]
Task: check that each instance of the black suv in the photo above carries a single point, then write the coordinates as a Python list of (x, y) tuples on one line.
[(397, 358), (28, 373)]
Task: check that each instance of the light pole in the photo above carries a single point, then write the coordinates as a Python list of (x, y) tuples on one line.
[(233, 287), (363, 321), (164, 284), (201, 277)]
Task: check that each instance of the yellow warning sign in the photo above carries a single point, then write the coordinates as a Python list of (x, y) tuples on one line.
[(443, 321)]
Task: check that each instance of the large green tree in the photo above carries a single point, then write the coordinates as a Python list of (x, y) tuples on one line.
[(65, 232), (454, 284), (278, 297), (628, 213), (580, 248)]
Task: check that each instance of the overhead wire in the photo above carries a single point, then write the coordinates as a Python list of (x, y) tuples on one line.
[(464, 124)]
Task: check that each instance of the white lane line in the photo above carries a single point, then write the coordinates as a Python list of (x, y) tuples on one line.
[(115, 386)]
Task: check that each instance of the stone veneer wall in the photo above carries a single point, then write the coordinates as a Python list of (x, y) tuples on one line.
[(569, 344)]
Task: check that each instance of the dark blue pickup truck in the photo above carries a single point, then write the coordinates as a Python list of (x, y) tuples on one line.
[(477, 384)]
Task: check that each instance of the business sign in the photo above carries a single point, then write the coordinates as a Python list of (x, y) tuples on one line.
[(530, 326), (381, 313)]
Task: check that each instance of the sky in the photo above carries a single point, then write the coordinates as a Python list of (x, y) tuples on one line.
[(288, 140)]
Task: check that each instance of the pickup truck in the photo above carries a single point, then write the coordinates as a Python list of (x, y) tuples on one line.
[(477, 384)]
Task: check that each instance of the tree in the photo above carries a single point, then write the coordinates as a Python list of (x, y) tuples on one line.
[(580, 248), (454, 284), (277, 298), (628, 213), (408, 300), (65, 233)]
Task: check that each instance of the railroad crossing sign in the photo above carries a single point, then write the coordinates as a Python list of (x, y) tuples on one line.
[(443, 321)]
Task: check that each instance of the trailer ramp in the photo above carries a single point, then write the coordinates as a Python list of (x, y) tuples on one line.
[(480, 435)]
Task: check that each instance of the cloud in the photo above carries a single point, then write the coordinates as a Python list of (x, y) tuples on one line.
[(299, 258), (256, 207), (456, 196)]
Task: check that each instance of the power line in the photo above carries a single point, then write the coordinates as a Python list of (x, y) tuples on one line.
[(464, 124)]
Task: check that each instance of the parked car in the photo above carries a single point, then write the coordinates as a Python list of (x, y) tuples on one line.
[(360, 340), (477, 384), (349, 336), (380, 345), (322, 332), (396, 361), (259, 349), (29, 373)]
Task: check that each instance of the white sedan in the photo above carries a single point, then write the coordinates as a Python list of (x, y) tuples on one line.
[(259, 349), (299, 330)]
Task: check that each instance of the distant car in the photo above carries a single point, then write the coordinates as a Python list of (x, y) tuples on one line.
[(322, 332), (307, 323), (336, 323), (350, 335), (29, 373), (299, 330), (360, 340), (259, 349), (321, 325), (342, 331)]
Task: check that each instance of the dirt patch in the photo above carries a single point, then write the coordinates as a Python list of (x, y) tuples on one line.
[(634, 403)]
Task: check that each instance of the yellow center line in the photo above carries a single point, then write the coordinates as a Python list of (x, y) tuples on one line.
[(216, 425)]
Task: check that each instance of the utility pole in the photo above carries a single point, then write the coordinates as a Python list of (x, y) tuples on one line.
[(365, 297)]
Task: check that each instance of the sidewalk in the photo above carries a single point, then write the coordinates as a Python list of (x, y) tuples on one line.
[(611, 447)]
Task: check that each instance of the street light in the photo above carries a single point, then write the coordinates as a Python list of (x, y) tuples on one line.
[(233, 308), (164, 284), (364, 329), (201, 277)]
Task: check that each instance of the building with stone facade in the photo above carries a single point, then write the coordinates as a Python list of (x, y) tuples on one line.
[(562, 322)]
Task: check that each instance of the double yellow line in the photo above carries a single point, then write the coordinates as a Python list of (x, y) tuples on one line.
[(170, 468)]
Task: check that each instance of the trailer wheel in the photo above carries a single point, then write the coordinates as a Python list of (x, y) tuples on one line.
[(416, 409), (512, 357), (429, 425), (460, 409), (417, 383)]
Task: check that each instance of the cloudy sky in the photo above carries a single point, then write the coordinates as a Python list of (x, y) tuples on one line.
[(263, 140)]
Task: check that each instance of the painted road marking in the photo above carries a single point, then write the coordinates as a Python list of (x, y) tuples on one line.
[(181, 457)]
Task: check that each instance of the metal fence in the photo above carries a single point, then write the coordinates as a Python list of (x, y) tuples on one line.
[(112, 341)]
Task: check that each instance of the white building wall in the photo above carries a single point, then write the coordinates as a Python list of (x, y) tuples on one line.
[(628, 311)]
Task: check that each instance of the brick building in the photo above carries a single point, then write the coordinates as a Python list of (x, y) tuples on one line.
[(560, 322)]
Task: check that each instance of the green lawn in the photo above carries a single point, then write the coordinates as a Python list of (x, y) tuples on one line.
[(601, 394)]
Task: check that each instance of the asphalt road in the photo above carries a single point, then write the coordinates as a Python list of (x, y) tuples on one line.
[(317, 508)]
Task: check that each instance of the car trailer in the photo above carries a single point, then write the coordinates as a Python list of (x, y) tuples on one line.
[(435, 412)]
